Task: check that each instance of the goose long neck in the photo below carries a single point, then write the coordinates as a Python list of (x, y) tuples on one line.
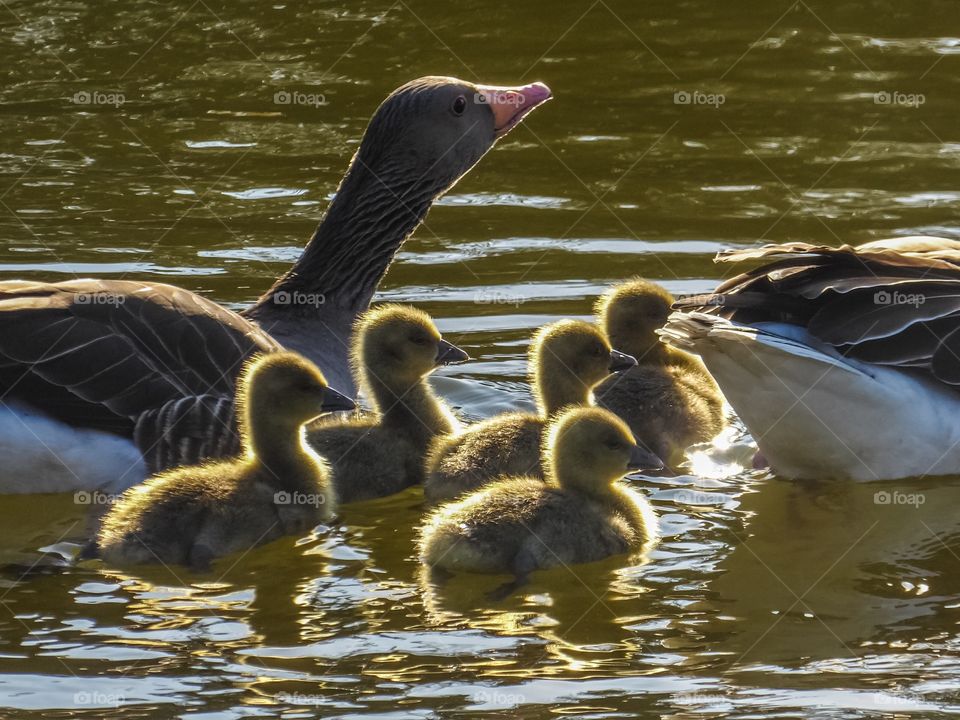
[(564, 468), (556, 386), (276, 444), (411, 409), (373, 212)]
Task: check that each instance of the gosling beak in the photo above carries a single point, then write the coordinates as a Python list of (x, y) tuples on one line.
[(334, 401), (450, 354), (511, 104), (643, 459), (621, 361)]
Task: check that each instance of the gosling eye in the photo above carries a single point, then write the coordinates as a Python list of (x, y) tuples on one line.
[(459, 105), (614, 445), (420, 341)]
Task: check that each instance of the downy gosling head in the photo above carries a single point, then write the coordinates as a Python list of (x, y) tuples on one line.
[(567, 359), (631, 313), (398, 345)]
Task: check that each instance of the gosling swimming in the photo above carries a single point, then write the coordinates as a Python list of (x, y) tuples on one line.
[(669, 400), (278, 486), (581, 514), (382, 453), (566, 359)]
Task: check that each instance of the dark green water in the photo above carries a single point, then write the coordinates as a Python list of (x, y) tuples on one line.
[(764, 599)]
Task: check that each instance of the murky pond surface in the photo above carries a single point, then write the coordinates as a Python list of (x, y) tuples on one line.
[(143, 140)]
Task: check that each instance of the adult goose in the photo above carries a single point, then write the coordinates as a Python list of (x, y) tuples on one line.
[(104, 382), (842, 362)]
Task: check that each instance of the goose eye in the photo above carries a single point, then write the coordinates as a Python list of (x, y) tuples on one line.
[(459, 105)]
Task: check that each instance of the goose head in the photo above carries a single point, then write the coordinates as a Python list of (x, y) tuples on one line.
[(631, 313), (398, 345), (285, 389), (422, 138), (432, 130), (567, 359), (589, 449)]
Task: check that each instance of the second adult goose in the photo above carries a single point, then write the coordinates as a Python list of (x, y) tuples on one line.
[(107, 381), (842, 362)]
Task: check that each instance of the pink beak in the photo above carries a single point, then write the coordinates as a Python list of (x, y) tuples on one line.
[(511, 104)]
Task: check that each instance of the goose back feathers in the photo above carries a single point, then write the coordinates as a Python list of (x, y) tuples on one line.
[(151, 362), (893, 302), (840, 361)]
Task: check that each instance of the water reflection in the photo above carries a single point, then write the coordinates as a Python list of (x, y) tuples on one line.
[(763, 599), (823, 570)]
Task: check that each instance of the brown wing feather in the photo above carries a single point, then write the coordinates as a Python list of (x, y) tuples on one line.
[(99, 353), (858, 316), (892, 302), (187, 430), (946, 359)]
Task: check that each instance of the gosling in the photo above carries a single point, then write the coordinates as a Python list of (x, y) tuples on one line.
[(278, 486), (581, 514), (383, 452), (566, 360), (669, 400)]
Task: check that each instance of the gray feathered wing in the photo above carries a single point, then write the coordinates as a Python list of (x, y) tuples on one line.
[(147, 361), (891, 302)]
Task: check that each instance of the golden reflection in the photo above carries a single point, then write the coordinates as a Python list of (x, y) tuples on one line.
[(823, 568)]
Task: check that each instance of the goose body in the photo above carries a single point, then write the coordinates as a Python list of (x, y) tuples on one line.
[(133, 368), (834, 378), (42, 454)]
